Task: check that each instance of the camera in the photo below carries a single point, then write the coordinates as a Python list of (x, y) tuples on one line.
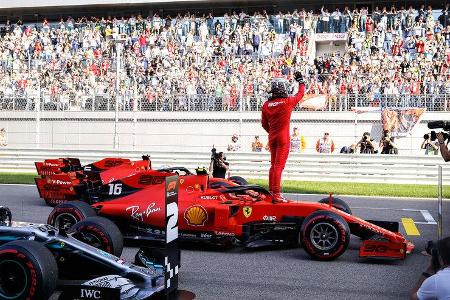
[(216, 156), (445, 125), (432, 250)]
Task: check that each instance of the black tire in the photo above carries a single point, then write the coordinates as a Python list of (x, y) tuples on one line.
[(238, 180), (330, 224), (28, 270), (68, 214), (100, 233), (337, 203)]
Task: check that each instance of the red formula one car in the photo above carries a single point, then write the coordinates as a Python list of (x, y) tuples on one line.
[(64, 179), (222, 212)]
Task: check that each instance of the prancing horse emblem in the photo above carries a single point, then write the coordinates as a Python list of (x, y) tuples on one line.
[(247, 211)]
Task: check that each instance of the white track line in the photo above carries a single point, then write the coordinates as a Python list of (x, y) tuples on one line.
[(428, 217)]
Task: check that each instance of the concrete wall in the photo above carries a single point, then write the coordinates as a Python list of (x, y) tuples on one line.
[(175, 131)]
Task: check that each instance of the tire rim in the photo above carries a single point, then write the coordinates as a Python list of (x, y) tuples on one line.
[(324, 236), (65, 221), (13, 279)]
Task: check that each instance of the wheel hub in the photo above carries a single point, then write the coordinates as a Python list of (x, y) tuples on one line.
[(13, 279), (324, 236)]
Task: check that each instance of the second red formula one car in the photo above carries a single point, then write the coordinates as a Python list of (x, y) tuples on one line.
[(222, 212)]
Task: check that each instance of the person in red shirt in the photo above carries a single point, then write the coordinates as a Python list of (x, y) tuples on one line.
[(420, 46), (275, 119)]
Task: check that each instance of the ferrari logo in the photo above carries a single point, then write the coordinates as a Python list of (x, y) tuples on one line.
[(181, 181), (247, 211)]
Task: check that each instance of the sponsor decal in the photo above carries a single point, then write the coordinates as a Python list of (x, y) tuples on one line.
[(270, 218), (50, 164), (90, 294), (196, 215), (196, 186), (189, 190), (209, 197), (138, 215), (61, 182), (188, 235), (104, 288), (109, 163), (151, 180), (181, 181), (273, 104), (223, 233), (171, 188), (205, 235), (247, 211), (376, 248)]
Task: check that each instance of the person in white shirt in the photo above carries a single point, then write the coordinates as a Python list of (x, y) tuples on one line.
[(325, 144), (433, 284), (234, 145)]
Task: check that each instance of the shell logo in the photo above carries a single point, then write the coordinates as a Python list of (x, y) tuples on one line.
[(196, 215)]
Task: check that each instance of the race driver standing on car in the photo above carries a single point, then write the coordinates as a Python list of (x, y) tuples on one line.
[(276, 118)]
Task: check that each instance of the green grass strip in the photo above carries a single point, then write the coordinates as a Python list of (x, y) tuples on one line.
[(22, 178), (309, 187), (360, 189)]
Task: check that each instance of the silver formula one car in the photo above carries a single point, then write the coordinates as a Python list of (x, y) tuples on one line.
[(83, 261)]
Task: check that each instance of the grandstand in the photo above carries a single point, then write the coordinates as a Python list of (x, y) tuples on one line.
[(192, 59)]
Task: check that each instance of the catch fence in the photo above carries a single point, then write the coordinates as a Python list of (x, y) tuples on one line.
[(133, 101)]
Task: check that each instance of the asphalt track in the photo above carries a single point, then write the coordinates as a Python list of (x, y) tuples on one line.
[(287, 273)]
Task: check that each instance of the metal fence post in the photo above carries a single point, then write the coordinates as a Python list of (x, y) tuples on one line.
[(439, 202), (134, 116), (38, 121)]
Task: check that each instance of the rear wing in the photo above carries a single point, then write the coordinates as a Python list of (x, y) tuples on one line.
[(56, 189), (57, 166)]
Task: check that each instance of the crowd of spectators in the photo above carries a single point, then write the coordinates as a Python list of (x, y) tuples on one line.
[(189, 62)]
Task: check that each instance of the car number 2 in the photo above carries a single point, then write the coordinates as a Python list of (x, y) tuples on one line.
[(172, 226)]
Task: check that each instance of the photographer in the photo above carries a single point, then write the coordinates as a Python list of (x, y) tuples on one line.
[(366, 144), (443, 147), (434, 282), (387, 145), (218, 166), (431, 147)]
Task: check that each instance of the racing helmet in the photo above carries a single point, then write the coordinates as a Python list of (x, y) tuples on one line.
[(279, 88)]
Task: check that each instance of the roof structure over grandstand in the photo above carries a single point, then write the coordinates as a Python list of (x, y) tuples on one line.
[(24, 4), (57, 3)]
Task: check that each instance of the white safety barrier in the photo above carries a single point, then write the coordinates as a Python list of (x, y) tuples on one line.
[(306, 167)]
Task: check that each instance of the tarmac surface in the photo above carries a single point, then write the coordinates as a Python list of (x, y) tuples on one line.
[(288, 273)]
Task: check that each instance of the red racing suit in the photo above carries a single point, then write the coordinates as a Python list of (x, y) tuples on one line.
[(276, 117)]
